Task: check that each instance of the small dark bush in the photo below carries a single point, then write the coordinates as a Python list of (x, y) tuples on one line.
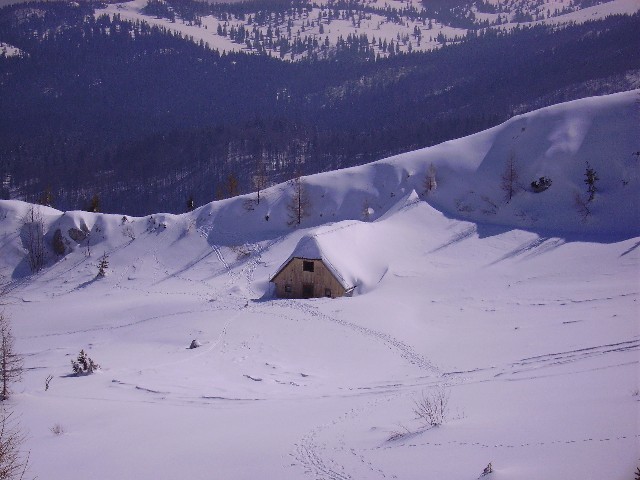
[(541, 184)]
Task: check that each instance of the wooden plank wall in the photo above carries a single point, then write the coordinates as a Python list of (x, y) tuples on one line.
[(293, 274)]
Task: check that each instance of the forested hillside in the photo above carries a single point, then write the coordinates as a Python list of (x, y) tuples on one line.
[(142, 118)]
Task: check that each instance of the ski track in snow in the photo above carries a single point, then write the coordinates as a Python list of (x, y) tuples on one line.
[(506, 445), (561, 358), (121, 326)]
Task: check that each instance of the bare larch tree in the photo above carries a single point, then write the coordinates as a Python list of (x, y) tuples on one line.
[(510, 178), (33, 238), (299, 205), (10, 362)]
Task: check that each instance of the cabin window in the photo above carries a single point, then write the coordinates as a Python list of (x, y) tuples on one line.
[(307, 266), (327, 292), (287, 288)]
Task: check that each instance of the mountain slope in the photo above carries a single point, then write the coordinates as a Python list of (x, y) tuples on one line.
[(556, 142), (533, 336)]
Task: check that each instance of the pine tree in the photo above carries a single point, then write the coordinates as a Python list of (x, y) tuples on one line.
[(591, 178), (103, 264), (84, 365)]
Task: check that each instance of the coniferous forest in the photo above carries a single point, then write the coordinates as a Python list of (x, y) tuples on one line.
[(145, 119)]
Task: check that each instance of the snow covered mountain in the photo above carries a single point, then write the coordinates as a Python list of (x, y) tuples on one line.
[(390, 26), (524, 312)]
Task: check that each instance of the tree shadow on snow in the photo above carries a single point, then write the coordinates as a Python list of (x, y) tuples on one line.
[(631, 249), (87, 283)]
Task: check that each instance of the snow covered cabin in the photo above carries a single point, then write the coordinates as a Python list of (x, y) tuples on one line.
[(308, 273)]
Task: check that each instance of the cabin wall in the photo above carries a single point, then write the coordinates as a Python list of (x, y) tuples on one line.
[(319, 281)]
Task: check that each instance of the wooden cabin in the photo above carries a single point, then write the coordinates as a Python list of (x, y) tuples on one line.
[(307, 273)]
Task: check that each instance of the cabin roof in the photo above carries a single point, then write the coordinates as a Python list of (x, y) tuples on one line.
[(310, 247), (355, 252)]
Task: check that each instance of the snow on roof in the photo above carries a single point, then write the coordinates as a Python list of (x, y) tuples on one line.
[(310, 248), (349, 251)]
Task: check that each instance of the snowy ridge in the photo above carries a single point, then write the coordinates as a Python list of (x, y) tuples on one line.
[(557, 142)]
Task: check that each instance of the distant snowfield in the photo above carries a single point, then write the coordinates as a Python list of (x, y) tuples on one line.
[(375, 26), (530, 325)]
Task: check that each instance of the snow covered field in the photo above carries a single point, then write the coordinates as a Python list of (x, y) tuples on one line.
[(526, 313)]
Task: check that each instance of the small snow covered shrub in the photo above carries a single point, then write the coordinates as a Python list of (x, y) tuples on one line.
[(487, 470), (432, 407), (399, 434), (541, 184), (57, 429), (84, 365)]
